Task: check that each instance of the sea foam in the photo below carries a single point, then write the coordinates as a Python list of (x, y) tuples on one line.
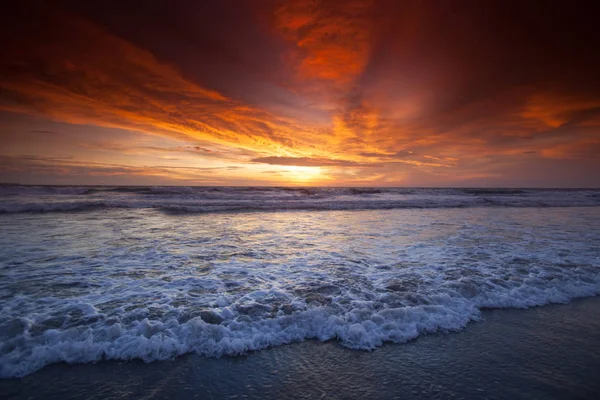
[(141, 284)]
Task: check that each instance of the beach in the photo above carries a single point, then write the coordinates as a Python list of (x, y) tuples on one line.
[(550, 352)]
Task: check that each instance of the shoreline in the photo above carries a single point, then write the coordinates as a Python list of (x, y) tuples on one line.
[(551, 351)]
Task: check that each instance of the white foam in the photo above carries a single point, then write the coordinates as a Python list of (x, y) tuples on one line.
[(363, 329), (150, 286)]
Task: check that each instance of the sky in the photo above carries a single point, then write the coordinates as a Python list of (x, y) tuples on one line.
[(300, 92)]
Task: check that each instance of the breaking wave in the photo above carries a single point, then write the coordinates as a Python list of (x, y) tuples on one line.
[(152, 286)]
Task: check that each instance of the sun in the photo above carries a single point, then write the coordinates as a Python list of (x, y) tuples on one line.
[(302, 174)]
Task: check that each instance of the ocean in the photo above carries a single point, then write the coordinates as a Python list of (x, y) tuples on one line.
[(89, 274)]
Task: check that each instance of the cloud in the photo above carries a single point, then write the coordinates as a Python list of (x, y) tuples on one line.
[(371, 91), (33, 167), (43, 132), (45, 159), (307, 162), (332, 39), (398, 154), (198, 148), (326, 162), (117, 84)]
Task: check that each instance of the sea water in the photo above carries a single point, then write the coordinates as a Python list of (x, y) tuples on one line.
[(93, 273)]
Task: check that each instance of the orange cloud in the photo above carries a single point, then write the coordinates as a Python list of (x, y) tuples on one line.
[(83, 75), (332, 40), (369, 91), (552, 110)]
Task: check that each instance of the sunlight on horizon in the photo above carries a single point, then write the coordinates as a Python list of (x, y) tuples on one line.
[(299, 174)]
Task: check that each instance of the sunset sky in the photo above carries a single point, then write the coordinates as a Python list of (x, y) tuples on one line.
[(307, 92)]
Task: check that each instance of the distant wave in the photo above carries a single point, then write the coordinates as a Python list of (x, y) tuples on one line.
[(18, 199), (493, 191)]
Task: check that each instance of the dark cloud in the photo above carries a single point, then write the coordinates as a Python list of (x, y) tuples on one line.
[(308, 162), (398, 154), (35, 169), (43, 132), (44, 158)]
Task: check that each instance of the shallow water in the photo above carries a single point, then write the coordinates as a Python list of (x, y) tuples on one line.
[(550, 352), (145, 284)]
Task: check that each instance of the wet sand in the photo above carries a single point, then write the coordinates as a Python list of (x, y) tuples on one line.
[(550, 352)]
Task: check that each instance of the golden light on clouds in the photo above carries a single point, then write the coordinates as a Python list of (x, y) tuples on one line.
[(297, 174), (353, 92)]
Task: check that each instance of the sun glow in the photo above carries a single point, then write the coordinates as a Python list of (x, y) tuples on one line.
[(301, 174)]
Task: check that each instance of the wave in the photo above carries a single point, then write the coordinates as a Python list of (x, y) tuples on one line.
[(18, 199), (137, 285), (234, 329), (6, 189), (478, 191), (183, 207)]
